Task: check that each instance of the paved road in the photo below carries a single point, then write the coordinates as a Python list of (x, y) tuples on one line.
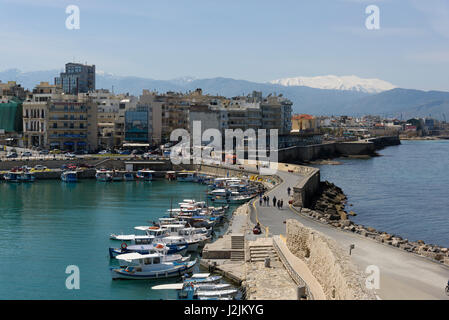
[(402, 275)]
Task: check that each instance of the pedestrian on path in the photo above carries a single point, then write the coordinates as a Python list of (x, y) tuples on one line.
[(260, 201), (274, 201), (279, 204), (288, 190), (282, 203), (268, 201)]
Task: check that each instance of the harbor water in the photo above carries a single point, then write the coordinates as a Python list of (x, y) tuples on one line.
[(404, 192), (46, 226)]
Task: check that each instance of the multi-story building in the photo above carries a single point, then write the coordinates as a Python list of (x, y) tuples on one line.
[(77, 78), (55, 120), (12, 89), (35, 114), (72, 123)]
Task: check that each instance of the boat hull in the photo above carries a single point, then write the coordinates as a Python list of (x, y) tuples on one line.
[(176, 271)]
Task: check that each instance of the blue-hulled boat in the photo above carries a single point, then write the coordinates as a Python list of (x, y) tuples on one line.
[(69, 176)]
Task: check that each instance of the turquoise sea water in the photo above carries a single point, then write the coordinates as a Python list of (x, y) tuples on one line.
[(406, 191), (47, 225)]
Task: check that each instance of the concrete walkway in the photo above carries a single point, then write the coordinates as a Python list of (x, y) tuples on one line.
[(402, 275)]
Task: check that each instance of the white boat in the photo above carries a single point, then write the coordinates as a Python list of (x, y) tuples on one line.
[(12, 176), (103, 175), (69, 176), (149, 266), (132, 237), (202, 278), (145, 175), (188, 176), (192, 291)]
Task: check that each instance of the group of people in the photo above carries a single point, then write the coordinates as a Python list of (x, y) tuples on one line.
[(265, 201)]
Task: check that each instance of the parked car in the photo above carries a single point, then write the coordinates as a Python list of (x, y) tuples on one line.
[(125, 152), (55, 151), (40, 167), (26, 154), (104, 152), (70, 155), (11, 155), (44, 152), (80, 152)]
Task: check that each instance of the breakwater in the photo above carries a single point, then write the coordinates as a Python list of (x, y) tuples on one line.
[(336, 149), (329, 207)]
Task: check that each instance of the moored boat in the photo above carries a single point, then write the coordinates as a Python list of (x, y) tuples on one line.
[(145, 175), (69, 176), (103, 175), (149, 266)]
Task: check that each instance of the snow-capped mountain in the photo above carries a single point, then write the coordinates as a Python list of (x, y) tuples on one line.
[(352, 83)]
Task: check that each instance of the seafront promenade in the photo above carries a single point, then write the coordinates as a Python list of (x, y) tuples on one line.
[(403, 275)]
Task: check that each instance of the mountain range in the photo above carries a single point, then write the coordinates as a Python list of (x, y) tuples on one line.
[(324, 95)]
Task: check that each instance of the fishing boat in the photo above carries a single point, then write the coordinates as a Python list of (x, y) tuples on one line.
[(186, 176), (193, 292), (103, 175), (170, 175), (202, 278), (145, 175), (149, 266), (12, 176), (128, 176), (175, 253), (137, 239), (27, 177), (69, 176), (149, 248)]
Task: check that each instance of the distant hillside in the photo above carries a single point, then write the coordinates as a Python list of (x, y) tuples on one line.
[(409, 103), (395, 102)]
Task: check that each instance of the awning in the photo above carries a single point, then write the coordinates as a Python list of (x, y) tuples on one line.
[(69, 143), (81, 143)]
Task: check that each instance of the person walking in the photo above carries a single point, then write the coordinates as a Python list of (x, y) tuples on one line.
[(279, 204), (288, 190), (274, 201), (268, 201), (282, 203), (260, 201)]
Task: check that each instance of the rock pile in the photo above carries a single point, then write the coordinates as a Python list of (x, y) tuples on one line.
[(329, 207)]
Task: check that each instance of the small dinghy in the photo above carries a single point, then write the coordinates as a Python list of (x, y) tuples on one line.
[(202, 278)]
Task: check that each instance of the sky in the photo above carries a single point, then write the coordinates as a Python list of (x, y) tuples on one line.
[(255, 40)]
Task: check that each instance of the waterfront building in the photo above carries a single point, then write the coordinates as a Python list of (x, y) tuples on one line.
[(35, 114), (55, 120), (77, 78)]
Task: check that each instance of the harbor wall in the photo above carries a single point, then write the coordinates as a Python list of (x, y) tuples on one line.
[(336, 149), (332, 267), (306, 189)]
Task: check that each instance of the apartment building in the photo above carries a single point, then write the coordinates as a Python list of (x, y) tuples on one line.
[(55, 120)]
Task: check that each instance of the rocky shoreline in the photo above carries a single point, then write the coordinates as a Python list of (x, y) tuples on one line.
[(329, 207)]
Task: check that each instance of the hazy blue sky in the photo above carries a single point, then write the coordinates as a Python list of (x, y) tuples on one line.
[(255, 40)]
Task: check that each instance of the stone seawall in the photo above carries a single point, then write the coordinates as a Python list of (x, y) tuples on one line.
[(306, 189), (339, 278), (336, 149)]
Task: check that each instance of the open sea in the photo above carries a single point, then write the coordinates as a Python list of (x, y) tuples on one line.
[(47, 225), (405, 191)]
